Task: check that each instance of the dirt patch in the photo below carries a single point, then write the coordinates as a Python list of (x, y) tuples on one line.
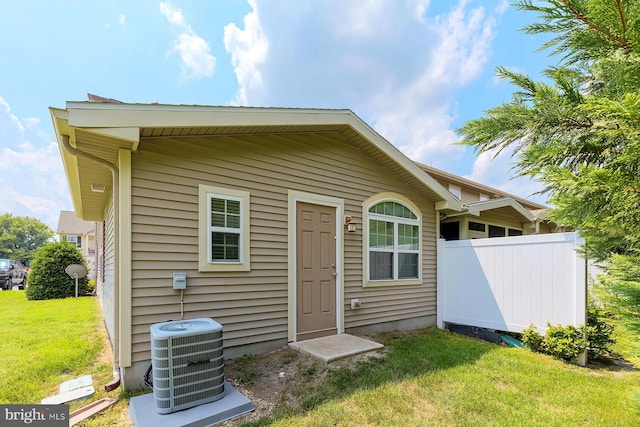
[(282, 378)]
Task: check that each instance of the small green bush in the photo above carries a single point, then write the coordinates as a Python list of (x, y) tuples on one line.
[(48, 279), (568, 342), (598, 332)]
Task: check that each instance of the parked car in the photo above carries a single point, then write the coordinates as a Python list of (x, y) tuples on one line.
[(12, 273)]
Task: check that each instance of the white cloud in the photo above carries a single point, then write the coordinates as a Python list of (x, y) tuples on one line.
[(248, 49), (392, 64), (491, 169), (31, 173), (196, 60), (122, 19)]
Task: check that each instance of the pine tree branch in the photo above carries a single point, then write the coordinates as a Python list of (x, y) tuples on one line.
[(624, 25), (626, 44)]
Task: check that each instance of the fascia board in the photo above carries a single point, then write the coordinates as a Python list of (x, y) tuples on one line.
[(69, 161), (476, 208), (143, 115)]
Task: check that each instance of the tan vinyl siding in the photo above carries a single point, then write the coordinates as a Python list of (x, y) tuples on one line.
[(500, 218), (252, 306), (108, 296), (469, 195)]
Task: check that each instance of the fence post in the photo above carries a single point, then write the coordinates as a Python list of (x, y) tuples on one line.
[(581, 290), (440, 280)]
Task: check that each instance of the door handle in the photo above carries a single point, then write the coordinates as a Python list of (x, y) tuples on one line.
[(334, 274)]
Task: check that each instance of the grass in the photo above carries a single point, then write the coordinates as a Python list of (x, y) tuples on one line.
[(428, 377), (47, 342), (433, 377)]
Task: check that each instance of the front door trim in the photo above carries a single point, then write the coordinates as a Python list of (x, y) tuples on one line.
[(317, 199)]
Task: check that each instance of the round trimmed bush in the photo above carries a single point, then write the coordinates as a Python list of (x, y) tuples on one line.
[(47, 278)]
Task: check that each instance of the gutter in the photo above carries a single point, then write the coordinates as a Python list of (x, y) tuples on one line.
[(64, 142)]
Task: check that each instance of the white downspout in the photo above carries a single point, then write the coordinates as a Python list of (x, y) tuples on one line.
[(64, 141)]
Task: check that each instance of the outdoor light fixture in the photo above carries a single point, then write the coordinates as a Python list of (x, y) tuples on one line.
[(350, 223), (97, 188)]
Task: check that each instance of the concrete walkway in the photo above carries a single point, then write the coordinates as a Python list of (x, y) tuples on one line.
[(335, 347)]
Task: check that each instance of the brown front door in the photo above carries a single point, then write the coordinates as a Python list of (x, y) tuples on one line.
[(315, 270)]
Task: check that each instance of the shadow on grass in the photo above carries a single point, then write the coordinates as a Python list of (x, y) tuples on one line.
[(409, 355)]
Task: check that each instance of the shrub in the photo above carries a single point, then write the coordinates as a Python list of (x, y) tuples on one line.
[(532, 339), (598, 332), (47, 279), (568, 342)]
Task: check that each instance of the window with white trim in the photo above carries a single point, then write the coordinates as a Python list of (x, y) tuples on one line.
[(393, 242), (224, 229), (76, 240)]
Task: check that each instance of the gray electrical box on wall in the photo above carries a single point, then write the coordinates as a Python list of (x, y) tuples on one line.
[(179, 280)]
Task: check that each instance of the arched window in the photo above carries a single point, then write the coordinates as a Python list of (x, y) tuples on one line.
[(393, 242)]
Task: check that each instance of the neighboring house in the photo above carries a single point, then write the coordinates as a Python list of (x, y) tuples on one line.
[(82, 234), (257, 207), (489, 212)]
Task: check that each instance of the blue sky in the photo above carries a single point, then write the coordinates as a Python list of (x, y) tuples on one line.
[(415, 70)]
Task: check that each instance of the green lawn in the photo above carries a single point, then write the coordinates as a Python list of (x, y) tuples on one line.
[(47, 342), (429, 377), (436, 378)]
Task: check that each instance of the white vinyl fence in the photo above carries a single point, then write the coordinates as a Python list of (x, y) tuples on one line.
[(510, 283)]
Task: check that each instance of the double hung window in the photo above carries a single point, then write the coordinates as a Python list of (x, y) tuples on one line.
[(224, 229), (393, 242)]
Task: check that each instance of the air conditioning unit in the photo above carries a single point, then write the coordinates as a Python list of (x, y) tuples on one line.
[(187, 363)]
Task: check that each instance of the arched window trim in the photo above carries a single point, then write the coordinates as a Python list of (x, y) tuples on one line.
[(366, 250)]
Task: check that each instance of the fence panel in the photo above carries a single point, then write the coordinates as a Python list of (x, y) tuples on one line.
[(510, 283)]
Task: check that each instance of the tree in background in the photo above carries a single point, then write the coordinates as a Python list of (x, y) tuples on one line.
[(48, 279), (21, 236), (578, 132)]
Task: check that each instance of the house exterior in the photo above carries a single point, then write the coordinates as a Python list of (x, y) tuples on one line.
[(289, 223), (489, 212), (82, 234)]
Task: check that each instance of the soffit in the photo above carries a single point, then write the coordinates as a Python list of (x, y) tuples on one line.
[(86, 123)]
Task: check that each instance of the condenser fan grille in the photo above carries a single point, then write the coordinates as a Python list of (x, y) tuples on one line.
[(188, 364)]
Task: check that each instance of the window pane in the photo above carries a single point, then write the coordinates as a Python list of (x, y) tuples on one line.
[(393, 209), (476, 226), (233, 221), (225, 213), (495, 231), (225, 247), (408, 237), (513, 232), (217, 205), (233, 207), (407, 266), (380, 265), (398, 210), (380, 234), (217, 220)]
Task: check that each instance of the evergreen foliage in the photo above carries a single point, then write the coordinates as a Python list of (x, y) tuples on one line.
[(578, 132), (48, 279)]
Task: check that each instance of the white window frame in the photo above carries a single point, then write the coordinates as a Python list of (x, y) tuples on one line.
[(74, 239), (205, 194), (391, 197)]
